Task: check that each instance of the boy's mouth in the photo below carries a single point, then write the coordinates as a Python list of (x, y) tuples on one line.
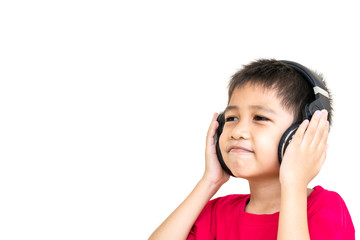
[(239, 149)]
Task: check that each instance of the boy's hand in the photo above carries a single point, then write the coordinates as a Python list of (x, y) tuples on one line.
[(213, 171), (307, 151)]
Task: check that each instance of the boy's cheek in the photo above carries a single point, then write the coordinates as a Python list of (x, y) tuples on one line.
[(267, 145)]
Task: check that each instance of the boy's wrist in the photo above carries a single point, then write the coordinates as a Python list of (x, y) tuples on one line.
[(293, 188), (293, 182), (210, 186)]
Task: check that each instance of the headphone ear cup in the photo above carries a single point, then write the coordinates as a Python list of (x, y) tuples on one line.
[(221, 160), (221, 120), (286, 139)]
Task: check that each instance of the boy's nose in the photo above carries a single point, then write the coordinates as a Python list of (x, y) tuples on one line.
[(240, 131)]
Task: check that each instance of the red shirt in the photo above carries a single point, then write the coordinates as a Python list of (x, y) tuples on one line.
[(225, 218)]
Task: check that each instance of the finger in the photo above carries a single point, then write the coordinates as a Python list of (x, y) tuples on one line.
[(321, 130), (299, 134), (212, 129), (311, 130), (324, 137), (318, 164), (323, 156)]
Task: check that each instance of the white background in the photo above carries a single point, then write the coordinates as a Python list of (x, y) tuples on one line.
[(105, 105)]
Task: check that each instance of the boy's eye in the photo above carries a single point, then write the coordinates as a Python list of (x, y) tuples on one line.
[(230, 119), (260, 118), (256, 118)]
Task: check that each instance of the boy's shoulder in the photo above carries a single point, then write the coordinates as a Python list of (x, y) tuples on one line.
[(225, 206), (231, 201), (329, 205), (323, 195)]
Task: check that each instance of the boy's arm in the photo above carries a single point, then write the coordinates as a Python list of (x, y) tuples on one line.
[(302, 162), (180, 222)]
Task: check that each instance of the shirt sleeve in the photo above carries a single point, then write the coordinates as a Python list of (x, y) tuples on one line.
[(330, 219)]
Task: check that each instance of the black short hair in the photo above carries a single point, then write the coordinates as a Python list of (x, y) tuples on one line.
[(291, 87)]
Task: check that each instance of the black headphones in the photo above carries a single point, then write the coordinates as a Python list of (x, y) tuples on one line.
[(321, 102)]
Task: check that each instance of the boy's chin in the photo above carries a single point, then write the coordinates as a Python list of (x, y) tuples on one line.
[(244, 172)]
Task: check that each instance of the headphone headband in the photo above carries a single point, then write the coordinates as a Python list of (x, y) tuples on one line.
[(322, 100)]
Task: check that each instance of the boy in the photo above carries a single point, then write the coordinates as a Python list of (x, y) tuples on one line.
[(265, 98)]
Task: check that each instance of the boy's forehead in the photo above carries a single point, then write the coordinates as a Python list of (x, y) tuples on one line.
[(256, 97), (255, 93), (265, 108)]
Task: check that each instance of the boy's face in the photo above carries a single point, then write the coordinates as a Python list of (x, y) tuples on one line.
[(254, 123)]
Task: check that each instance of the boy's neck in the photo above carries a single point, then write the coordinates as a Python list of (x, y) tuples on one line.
[(265, 196)]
